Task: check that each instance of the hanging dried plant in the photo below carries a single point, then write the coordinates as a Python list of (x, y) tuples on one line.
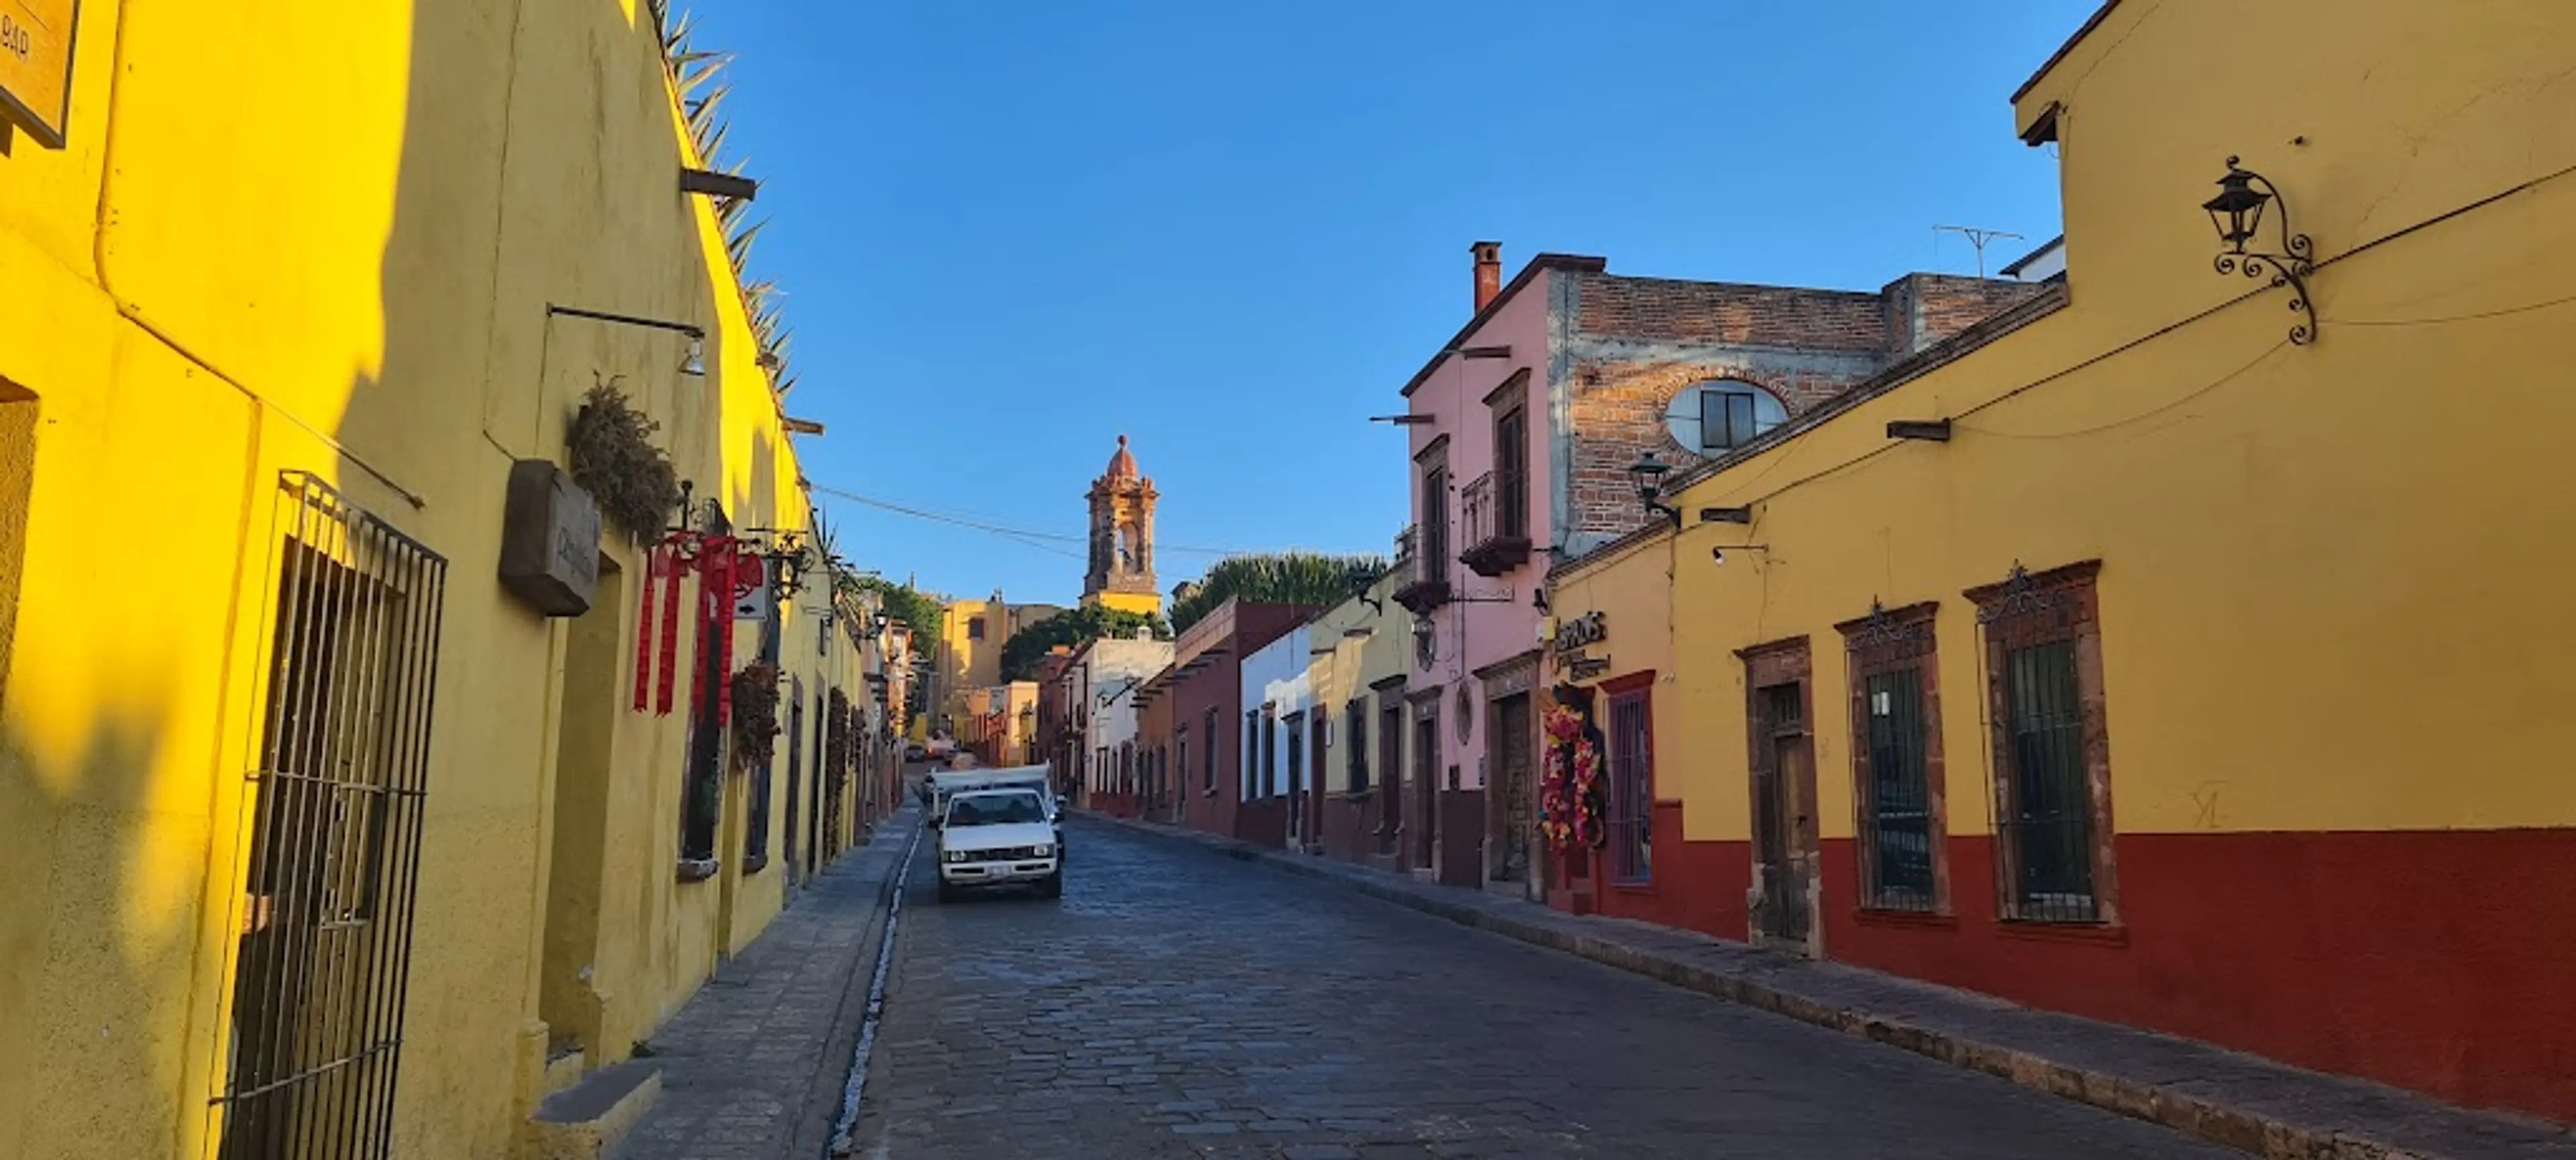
[(614, 459), (836, 734), (755, 714)]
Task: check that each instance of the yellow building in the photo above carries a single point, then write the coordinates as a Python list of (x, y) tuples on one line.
[(313, 787), (2177, 649), (971, 634), (1361, 650)]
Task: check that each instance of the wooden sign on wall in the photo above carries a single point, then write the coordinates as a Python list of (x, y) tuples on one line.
[(36, 65)]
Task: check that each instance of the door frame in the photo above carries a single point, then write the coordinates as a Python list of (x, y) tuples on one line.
[(1773, 665)]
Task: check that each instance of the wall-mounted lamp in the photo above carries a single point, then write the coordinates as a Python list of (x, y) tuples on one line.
[(788, 560), (2237, 213), (1926, 430), (1717, 555), (695, 362), (1649, 473), (693, 520), (1538, 599), (1726, 515)]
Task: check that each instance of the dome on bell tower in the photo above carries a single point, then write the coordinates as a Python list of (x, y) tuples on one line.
[(1121, 465)]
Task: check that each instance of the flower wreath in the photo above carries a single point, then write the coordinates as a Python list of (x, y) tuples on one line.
[(1570, 798)]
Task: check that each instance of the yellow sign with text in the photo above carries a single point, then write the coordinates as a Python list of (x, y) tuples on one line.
[(36, 65)]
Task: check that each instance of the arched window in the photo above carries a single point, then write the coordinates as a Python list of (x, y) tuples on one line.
[(1721, 415)]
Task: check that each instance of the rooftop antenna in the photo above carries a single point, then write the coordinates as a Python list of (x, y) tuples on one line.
[(1976, 238)]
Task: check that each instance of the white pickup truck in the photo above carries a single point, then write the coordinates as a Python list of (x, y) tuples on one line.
[(999, 837), (940, 785)]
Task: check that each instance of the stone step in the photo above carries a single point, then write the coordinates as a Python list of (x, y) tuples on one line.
[(584, 1121)]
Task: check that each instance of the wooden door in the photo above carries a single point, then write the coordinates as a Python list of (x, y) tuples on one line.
[(1515, 770), (1784, 779)]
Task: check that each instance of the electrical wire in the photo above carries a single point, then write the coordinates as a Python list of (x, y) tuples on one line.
[(2150, 413), (1032, 539), (2525, 308)]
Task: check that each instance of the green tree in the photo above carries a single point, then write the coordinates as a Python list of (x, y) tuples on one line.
[(1072, 628), (1277, 578), (902, 602)]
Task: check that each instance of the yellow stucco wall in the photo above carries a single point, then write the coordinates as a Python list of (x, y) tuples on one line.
[(2325, 558), (342, 267), (1343, 666), (1142, 602)]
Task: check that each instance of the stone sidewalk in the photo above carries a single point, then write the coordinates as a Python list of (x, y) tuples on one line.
[(753, 1066), (2251, 1104)]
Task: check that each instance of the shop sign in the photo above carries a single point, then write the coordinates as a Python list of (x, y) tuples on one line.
[(1575, 632), (36, 65), (549, 537)]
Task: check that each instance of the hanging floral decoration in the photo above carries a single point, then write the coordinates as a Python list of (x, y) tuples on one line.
[(1571, 797), (755, 714)]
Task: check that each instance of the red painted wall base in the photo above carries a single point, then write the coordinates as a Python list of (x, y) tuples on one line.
[(2436, 960)]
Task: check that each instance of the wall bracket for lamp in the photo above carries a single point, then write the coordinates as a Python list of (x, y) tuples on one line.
[(714, 184)]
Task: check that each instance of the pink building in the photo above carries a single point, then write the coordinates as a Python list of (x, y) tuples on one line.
[(1523, 426)]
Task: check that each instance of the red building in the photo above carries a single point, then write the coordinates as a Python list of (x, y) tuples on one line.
[(1193, 711)]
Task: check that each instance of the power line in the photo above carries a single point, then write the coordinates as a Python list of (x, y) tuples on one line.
[(1023, 535)]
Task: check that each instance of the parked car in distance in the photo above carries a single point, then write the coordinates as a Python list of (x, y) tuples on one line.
[(998, 837), (913, 751)]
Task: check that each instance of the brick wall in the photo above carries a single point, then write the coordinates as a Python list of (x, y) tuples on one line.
[(1924, 309), (1638, 342), (1732, 313)]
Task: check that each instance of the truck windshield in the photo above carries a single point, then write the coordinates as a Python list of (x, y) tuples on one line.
[(996, 809)]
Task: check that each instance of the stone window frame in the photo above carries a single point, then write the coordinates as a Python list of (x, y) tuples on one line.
[(2023, 610), (1887, 641)]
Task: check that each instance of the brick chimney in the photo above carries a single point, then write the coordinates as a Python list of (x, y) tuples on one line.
[(1489, 271)]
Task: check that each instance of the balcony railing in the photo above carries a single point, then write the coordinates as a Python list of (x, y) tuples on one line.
[(1497, 526), (1422, 560)]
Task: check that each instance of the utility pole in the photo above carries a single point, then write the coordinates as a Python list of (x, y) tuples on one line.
[(1976, 238)]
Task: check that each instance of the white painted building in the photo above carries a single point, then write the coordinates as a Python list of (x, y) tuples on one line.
[(1279, 734), (1107, 673)]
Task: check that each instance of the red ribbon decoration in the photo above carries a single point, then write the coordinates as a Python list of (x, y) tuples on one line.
[(669, 664), (644, 627)]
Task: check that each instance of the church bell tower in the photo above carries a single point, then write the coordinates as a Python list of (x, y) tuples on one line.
[(1121, 574)]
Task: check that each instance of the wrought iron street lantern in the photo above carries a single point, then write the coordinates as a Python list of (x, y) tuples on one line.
[(2237, 214), (1649, 473)]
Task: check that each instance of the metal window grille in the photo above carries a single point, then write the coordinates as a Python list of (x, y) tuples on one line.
[(702, 791), (1207, 749), (323, 963), (1896, 816), (1250, 773), (1296, 767), (2049, 825), (1269, 756), (1632, 788), (1356, 713)]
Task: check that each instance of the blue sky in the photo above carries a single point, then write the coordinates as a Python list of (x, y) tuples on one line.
[(1010, 232)]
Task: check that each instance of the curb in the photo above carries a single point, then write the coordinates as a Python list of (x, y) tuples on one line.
[(2257, 1132), (832, 1072)]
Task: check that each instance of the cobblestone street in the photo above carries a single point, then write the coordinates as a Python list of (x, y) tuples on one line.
[(1175, 1005)]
